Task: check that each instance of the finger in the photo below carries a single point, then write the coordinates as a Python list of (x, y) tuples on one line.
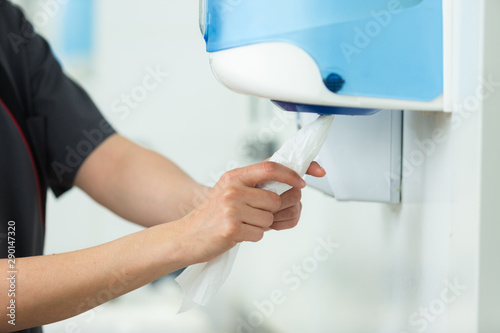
[(262, 199), (316, 170), (249, 233), (285, 225), (287, 214), (255, 217), (260, 173), (290, 198)]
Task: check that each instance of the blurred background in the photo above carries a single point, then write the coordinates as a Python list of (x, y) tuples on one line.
[(347, 267)]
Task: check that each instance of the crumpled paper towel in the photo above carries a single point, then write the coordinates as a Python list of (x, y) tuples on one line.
[(202, 281)]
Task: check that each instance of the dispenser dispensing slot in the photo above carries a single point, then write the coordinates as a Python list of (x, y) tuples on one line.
[(362, 157)]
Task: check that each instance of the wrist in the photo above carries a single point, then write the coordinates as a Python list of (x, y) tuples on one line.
[(164, 246), (194, 195)]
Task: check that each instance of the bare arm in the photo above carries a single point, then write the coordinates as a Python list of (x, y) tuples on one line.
[(138, 184), (148, 189), (56, 287)]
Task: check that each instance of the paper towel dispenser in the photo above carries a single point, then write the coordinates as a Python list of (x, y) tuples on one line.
[(353, 57), (329, 56)]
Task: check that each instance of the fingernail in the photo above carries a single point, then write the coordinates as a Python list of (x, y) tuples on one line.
[(303, 183)]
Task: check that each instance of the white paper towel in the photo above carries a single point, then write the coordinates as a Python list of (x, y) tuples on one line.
[(201, 281)]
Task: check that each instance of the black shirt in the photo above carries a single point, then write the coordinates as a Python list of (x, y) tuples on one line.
[(48, 126)]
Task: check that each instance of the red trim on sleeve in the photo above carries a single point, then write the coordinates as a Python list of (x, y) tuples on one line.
[(33, 164)]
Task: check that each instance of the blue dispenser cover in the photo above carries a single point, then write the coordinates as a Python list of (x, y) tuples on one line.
[(389, 49)]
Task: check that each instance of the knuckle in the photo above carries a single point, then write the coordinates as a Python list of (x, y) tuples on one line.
[(275, 200), (268, 220), (269, 167), (230, 194), (224, 178), (230, 213), (229, 177), (231, 228)]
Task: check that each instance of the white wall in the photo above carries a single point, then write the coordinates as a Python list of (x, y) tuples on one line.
[(190, 118), (427, 265), (392, 260)]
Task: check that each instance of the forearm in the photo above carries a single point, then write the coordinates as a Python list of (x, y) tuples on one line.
[(52, 288), (138, 184), (56, 287)]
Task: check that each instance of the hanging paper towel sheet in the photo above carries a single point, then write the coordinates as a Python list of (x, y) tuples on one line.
[(202, 281)]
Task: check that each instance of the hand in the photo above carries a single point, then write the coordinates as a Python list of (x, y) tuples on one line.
[(288, 214), (235, 210)]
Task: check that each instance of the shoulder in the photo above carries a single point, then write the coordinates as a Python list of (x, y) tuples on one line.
[(11, 16), (15, 30)]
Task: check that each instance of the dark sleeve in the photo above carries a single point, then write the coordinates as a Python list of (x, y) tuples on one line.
[(73, 126)]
